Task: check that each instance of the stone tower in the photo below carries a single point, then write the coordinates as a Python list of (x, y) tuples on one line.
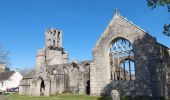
[(53, 52), (53, 39)]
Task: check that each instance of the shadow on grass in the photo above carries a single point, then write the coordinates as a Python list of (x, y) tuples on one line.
[(105, 98), (130, 98), (142, 98)]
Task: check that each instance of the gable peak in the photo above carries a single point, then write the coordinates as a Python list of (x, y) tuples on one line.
[(117, 15)]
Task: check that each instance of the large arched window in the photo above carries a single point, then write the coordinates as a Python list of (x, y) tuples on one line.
[(122, 60)]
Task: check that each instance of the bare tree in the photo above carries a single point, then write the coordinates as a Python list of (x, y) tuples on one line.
[(26, 71), (4, 56)]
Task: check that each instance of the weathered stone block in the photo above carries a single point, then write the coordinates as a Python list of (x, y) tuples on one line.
[(115, 95)]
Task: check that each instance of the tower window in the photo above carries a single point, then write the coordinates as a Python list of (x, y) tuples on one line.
[(54, 31)]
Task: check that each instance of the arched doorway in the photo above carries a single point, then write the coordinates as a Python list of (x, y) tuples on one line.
[(87, 77), (42, 86), (122, 64)]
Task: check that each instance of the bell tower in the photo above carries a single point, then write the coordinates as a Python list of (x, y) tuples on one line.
[(53, 39), (54, 52)]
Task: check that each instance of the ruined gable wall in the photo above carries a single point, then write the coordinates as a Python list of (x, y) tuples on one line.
[(69, 77), (150, 60), (78, 76), (100, 69)]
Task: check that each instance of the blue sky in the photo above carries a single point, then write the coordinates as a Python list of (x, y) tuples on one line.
[(23, 23)]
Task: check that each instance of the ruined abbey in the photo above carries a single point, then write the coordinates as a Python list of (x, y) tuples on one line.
[(125, 58)]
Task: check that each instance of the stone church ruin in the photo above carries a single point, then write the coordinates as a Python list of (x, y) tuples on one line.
[(125, 58)]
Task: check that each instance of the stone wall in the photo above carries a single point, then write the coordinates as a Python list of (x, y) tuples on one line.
[(151, 61), (24, 87), (40, 58), (58, 79), (150, 57), (72, 78), (168, 76)]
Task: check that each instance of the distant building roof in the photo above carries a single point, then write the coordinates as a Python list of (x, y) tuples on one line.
[(6, 75)]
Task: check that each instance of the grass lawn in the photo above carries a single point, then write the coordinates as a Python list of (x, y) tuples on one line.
[(58, 97), (64, 97)]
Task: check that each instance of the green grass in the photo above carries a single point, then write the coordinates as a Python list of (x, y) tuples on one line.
[(58, 97), (65, 97)]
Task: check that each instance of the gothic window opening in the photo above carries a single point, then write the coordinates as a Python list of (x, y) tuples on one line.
[(75, 66), (58, 38), (54, 42), (54, 32), (54, 71), (86, 67), (122, 63), (129, 72), (87, 77)]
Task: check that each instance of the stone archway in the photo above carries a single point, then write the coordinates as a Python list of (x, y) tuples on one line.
[(87, 77), (42, 87), (40, 91)]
